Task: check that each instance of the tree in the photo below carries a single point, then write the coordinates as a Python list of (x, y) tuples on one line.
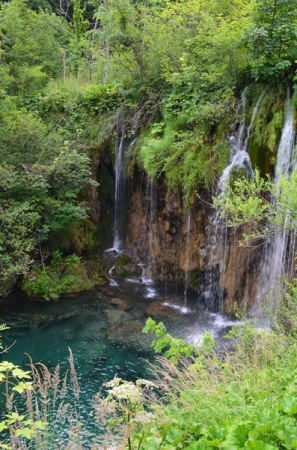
[(37, 201), (269, 208), (272, 40), (30, 58)]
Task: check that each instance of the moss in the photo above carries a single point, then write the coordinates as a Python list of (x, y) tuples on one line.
[(126, 267), (194, 279), (122, 260), (190, 151), (64, 276), (80, 238), (267, 131)]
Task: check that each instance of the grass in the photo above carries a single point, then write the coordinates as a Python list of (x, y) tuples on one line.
[(244, 399)]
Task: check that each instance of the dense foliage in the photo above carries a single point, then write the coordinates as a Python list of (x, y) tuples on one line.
[(72, 77), (170, 72)]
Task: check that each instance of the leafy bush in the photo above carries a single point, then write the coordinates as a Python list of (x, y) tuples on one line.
[(245, 398), (100, 98), (65, 275), (272, 40), (188, 159)]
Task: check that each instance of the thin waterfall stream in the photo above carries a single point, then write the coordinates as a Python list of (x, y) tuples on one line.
[(119, 196), (216, 250), (277, 257), (187, 254), (285, 151), (151, 194), (122, 148), (239, 142)]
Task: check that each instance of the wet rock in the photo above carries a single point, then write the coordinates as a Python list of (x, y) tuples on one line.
[(68, 334), (126, 267), (121, 330), (109, 292), (121, 303), (159, 310), (169, 307), (117, 316), (108, 259), (129, 334), (37, 321), (126, 330)]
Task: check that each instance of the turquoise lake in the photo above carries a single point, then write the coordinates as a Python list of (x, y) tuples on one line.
[(103, 331)]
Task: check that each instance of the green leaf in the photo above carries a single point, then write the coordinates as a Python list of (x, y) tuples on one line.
[(17, 372), (260, 445), (26, 432), (22, 386), (237, 436)]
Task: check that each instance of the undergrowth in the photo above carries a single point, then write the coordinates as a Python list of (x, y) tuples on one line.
[(245, 399)]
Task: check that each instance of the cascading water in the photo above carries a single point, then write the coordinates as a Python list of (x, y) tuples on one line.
[(151, 218), (239, 143), (286, 145), (149, 234), (279, 251), (187, 248), (119, 192), (217, 251), (122, 148)]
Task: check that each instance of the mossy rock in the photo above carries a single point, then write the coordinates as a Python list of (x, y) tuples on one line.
[(67, 276), (194, 279), (126, 267), (267, 131)]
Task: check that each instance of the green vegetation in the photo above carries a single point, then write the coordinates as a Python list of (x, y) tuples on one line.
[(266, 217), (272, 40), (170, 72), (243, 399), (63, 276)]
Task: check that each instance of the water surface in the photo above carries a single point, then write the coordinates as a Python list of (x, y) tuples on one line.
[(103, 330)]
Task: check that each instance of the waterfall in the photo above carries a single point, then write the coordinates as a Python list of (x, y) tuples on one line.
[(151, 211), (217, 251), (187, 249), (122, 147), (239, 142), (279, 251), (119, 193), (286, 145)]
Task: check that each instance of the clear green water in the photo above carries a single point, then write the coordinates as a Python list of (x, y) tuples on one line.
[(105, 339)]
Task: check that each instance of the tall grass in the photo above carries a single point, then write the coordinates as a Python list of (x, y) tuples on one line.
[(244, 399), (51, 408)]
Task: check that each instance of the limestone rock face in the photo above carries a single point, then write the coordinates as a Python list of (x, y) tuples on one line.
[(162, 236), (241, 273), (157, 232)]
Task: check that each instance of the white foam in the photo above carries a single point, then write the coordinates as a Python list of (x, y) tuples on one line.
[(150, 293), (181, 309)]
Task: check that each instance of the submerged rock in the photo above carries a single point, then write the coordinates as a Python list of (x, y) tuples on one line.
[(93, 331), (121, 303), (36, 321)]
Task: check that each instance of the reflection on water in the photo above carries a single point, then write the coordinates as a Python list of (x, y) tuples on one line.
[(103, 330)]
